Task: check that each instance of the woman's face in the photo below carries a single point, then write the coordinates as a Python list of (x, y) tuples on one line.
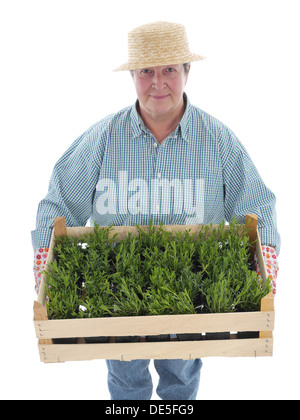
[(160, 90)]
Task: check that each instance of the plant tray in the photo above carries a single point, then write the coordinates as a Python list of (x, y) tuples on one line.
[(248, 334)]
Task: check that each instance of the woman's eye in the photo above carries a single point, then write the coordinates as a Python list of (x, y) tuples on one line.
[(146, 72)]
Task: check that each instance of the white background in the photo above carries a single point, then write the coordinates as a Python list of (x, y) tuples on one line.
[(56, 81)]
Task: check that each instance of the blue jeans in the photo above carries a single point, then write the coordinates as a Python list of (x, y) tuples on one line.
[(178, 379)]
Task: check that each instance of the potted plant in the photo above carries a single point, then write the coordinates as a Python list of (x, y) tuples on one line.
[(155, 273)]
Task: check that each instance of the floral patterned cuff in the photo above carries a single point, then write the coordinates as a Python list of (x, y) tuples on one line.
[(40, 257), (271, 263)]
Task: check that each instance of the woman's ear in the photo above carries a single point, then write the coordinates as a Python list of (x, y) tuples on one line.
[(187, 72)]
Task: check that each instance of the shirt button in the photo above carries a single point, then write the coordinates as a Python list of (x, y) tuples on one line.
[(159, 175), (155, 144)]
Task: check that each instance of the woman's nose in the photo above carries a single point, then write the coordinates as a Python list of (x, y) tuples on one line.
[(158, 81)]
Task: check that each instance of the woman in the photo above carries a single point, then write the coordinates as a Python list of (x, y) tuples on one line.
[(161, 159)]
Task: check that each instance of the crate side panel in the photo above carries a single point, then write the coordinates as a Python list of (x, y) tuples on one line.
[(166, 350), (261, 261), (154, 325), (267, 305), (123, 231)]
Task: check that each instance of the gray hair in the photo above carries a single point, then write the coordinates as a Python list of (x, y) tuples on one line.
[(186, 67)]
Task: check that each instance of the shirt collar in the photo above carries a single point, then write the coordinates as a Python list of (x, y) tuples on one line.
[(138, 126)]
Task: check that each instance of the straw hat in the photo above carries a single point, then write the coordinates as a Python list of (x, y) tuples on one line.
[(158, 44)]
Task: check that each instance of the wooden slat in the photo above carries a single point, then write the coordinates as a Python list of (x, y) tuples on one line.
[(60, 228), (261, 260), (40, 314), (123, 231), (165, 350), (251, 225), (154, 325), (267, 306)]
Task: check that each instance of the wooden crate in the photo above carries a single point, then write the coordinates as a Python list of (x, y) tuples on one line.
[(70, 339)]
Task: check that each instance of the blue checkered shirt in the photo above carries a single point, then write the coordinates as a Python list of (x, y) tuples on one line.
[(117, 173)]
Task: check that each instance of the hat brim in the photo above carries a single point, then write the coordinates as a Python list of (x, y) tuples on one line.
[(145, 64)]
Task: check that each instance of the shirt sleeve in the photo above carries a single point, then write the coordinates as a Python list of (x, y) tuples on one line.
[(245, 191), (71, 188)]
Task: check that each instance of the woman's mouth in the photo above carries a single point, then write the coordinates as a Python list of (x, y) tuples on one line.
[(159, 97)]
